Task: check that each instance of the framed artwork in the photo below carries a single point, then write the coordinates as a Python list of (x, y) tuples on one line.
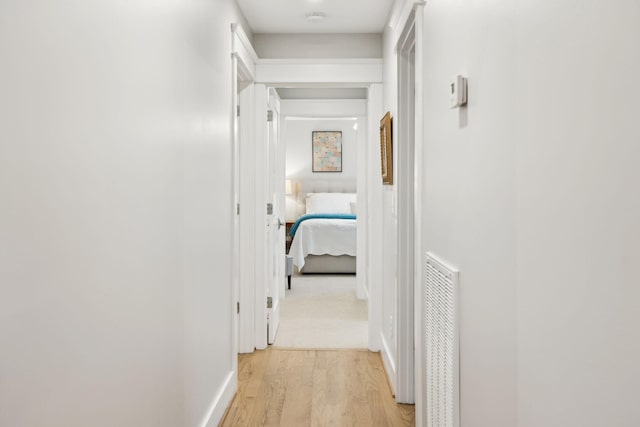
[(326, 151), (386, 149)]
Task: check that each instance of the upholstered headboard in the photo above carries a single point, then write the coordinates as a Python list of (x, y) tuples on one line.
[(322, 186), (305, 186)]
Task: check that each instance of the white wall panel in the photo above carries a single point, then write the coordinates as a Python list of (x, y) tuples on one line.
[(528, 190), (297, 138), (578, 213), (115, 221), (470, 193)]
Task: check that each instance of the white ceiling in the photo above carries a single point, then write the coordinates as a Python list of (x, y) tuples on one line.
[(343, 16)]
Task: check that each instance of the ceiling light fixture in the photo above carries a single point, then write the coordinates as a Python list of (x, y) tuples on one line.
[(316, 16)]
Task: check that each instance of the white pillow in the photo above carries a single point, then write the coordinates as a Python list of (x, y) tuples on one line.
[(352, 205), (329, 202)]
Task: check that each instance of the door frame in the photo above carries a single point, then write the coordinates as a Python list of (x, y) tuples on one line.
[(243, 60), (405, 364), (340, 109), (375, 206), (360, 73), (408, 29)]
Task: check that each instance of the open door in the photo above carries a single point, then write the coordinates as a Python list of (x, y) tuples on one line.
[(275, 216)]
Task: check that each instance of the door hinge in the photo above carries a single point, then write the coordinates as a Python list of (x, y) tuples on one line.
[(269, 115), (269, 302), (238, 110), (237, 208), (269, 208), (238, 307)]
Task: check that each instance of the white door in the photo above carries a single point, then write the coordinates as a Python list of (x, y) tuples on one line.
[(275, 220)]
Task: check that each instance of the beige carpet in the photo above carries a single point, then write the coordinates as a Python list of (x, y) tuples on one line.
[(322, 311)]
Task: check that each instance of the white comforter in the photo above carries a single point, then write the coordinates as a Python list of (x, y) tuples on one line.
[(323, 237)]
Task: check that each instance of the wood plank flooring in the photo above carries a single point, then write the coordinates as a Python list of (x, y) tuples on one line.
[(298, 388)]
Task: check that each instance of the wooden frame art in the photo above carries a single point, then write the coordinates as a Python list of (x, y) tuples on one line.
[(386, 149)]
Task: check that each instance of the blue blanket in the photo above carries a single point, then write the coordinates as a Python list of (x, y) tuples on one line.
[(318, 216)]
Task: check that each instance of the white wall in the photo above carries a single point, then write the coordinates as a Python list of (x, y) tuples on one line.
[(470, 194), (114, 230), (578, 213), (530, 191), (318, 45), (297, 138), (297, 135)]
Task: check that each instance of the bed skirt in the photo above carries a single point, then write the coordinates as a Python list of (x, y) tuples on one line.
[(343, 264)]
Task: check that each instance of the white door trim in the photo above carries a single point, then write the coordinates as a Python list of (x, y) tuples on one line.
[(374, 252), (258, 288), (409, 32), (243, 59), (305, 72), (418, 204), (235, 227), (404, 180), (363, 214)]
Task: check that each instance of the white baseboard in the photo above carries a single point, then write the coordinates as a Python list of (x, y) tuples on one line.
[(220, 401), (388, 361)]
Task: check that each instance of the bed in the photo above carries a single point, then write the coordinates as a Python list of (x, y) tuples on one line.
[(324, 238)]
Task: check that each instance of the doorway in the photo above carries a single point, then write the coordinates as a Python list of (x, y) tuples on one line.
[(355, 71), (326, 307)]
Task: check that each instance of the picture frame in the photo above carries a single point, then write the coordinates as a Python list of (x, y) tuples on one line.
[(326, 151), (386, 149)]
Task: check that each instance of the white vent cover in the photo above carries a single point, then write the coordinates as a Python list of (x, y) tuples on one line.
[(441, 395)]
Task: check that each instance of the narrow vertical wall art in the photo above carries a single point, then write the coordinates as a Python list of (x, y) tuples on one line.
[(386, 149)]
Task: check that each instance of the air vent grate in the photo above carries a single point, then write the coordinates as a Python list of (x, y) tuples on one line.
[(441, 396)]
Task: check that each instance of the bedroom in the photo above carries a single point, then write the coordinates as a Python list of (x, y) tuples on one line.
[(325, 303)]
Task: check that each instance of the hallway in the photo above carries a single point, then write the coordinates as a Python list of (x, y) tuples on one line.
[(314, 388), (134, 248)]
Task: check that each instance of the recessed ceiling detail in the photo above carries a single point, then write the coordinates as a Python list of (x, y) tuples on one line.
[(313, 16)]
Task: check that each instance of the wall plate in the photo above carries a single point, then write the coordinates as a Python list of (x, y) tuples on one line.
[(458, 92)]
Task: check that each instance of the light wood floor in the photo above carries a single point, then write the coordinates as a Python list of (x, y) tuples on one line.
[(314, 388)]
